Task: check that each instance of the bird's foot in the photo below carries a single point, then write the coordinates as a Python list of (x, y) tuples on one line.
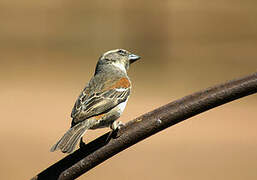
[(116, 125)]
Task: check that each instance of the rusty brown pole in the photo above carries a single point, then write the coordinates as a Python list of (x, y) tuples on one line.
[(97, 151)]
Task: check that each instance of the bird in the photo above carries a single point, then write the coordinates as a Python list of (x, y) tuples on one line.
[(102, 101)]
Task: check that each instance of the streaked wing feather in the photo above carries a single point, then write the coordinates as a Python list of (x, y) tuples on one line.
[(98, 103)]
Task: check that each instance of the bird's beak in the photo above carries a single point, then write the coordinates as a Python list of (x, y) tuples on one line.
[(132, 58)]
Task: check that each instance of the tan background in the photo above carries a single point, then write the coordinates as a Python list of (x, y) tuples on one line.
[(48, 51)]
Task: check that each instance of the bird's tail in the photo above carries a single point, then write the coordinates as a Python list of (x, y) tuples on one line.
[(69, 140)]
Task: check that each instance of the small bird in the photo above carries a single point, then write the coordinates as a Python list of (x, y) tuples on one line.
[(102, 101)]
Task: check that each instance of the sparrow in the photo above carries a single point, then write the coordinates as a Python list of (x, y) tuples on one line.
[(103, 99)]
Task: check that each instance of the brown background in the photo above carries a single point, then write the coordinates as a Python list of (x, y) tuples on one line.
[(48, 51)]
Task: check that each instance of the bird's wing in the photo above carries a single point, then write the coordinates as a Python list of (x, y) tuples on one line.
[(91, 103)]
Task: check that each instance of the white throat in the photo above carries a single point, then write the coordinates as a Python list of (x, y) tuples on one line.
[(120, 66)]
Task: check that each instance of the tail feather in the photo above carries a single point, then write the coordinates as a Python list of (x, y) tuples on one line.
[(69, 140), (70, 145)]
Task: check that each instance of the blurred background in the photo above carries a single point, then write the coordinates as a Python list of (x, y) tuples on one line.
[(48, 53)]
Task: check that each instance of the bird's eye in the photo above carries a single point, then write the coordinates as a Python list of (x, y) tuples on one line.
[(122, 52)]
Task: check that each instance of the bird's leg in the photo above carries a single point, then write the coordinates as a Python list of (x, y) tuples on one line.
[(116, 125), (82, 143)]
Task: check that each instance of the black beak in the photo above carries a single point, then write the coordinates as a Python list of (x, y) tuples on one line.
[(132, 58)]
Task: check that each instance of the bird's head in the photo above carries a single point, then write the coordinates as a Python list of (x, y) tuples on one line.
[(118, 58)]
